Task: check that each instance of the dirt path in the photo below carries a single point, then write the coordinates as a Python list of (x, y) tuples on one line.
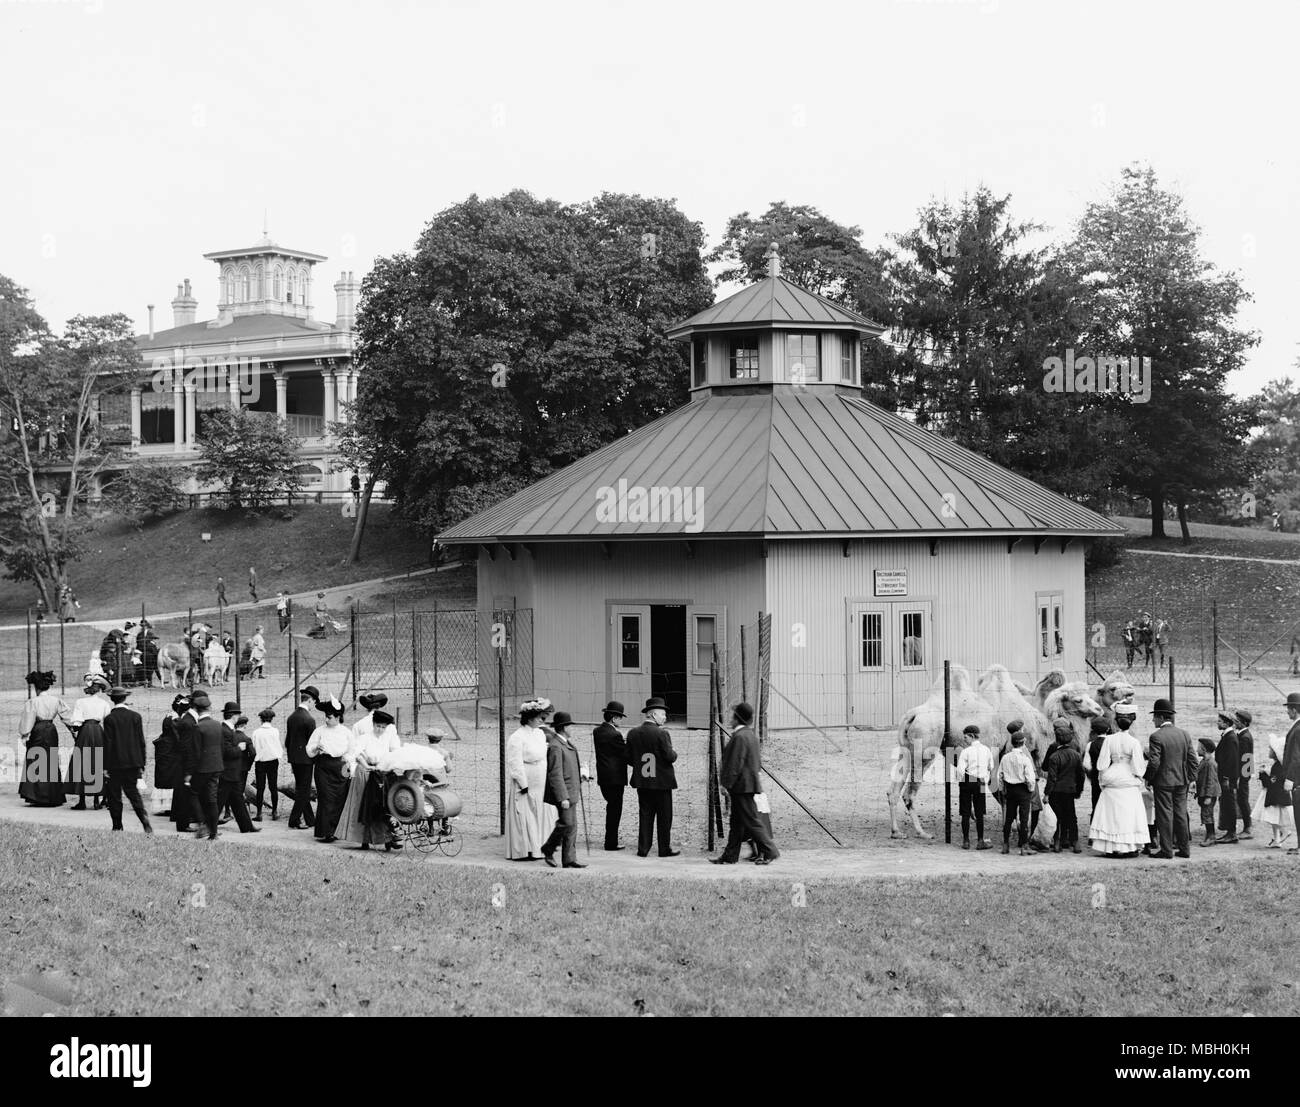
[(1211, 557), (891, 859)]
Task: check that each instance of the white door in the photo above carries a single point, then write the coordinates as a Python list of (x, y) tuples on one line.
[(629, 655), (1049, 636), (890, 660)]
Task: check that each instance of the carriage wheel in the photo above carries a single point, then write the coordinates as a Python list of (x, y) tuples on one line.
[(406, 802), (450, 843), (418, 835)]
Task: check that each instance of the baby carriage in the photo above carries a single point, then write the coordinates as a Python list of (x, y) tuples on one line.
[(419, 802)]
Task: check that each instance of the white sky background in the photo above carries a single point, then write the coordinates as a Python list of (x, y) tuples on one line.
[(137, 135)]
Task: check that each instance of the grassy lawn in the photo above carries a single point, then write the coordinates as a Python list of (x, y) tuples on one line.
[(300, 932), (168, 567)]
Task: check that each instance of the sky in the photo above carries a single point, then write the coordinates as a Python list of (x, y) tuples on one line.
[(139, 135)]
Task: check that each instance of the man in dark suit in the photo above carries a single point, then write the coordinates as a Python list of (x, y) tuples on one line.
[(1246, 749), (124, 757), (1228, 759), (1291, 758), (230, 790), (1171, 767), (204, 764), (297, 730), (185, 804), (738, 774), (650, 753), (564, 790), (611, 770)]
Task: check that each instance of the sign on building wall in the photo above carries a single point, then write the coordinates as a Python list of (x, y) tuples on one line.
[(890, 582)]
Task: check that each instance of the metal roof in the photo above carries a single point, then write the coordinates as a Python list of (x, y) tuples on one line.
[(787, 463), (772, 302), (241, 326)]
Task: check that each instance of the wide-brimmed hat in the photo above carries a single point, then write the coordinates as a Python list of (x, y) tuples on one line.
[(1293, 700), (616, 709), (744, 713), (382, 718), (180, 703), (1126, 709), (96, 679), (231, 708), (561, 720), (332, 708), (117, 693), (654, 702), (372, 700), (434, 733), (1163, 707)]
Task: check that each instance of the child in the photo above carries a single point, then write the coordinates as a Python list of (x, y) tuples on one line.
[(1274, 805), (1064, 787), (1207, 788)]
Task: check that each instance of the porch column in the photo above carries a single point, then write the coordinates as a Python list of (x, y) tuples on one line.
[(353, 379), (330, 413), (190, 436), (344, 397), (135, 416), (232, 385), (281, 396), (178, 412)]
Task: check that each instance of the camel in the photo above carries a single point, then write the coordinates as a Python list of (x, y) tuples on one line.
[(1074, 703), (920, 733), (1008, 702), (174, 661), (1115, 690)]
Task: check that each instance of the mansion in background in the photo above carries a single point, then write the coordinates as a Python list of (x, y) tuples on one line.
[(262, 351)]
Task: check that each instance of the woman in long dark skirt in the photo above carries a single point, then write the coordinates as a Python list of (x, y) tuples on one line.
[(167, 775), (42, 783), (326, 746), (86, 769)]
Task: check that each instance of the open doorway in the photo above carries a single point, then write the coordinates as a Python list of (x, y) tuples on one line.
[(668, 656)]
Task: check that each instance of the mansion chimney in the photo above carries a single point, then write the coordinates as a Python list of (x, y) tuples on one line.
[(185, 307), (346, 290)]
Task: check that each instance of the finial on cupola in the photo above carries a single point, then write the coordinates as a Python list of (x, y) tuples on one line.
[(773, 256)]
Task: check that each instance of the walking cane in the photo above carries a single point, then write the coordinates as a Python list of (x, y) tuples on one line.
[(582, 804)]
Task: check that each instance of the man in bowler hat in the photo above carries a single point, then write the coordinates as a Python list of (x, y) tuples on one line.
[(298, 728), (738, 773), (124, 758), (1171, 767), (650, 753), (1291, 757), (203, 764), (564, 791), (1228, 758), (611, 769)]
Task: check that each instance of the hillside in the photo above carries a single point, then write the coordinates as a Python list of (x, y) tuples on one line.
[(167, 566)]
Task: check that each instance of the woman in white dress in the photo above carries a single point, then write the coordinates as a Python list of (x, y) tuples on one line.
[(86, 769), (526, 814), (1119, 825), (364, 819)]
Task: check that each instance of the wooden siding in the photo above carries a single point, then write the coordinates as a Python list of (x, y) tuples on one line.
[(983, 603), (571, 589)]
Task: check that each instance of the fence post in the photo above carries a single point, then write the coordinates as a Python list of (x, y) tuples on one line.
[(1171, 683), (1214, 647), (356, 667), (236, 660), (297, 699), (501, 735), (415, 673), (29, 644), (744, 677), (62, 678), (394, 635), (435, 644), (1240, 643), (943, 752), (713, 731)]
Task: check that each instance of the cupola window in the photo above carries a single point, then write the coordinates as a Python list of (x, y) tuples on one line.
[(699, 362), (802, 360), (744, 358), (848, 358)]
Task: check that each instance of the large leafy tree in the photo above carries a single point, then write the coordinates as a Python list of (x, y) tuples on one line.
[(517, 336), (977, 308), (249, 455), (1148, 292), (52, 444), (1275, 451)]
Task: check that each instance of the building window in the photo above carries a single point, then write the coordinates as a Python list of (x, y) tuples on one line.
[(289, 295), (802, 360), (259, 283), (1051, 627), (699, 361), (629, 643), (302, 287), (277, 283), (912, 645), (848, 357), (230, 286), (873, 640), (706, 635), (744, 358), (244, 290)]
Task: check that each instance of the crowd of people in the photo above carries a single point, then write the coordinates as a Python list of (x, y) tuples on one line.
[(545, 775), (1140, 788)]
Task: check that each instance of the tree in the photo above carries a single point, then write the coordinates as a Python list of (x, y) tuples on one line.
[(1147, 292), (146, 492), (519, 335), (1275, 451), (250, 455), (53, 443), (976, 311)]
